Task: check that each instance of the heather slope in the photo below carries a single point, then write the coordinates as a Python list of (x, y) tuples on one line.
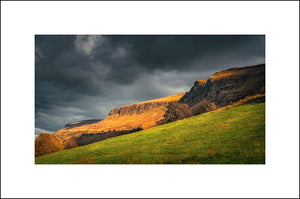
[(231, 135)]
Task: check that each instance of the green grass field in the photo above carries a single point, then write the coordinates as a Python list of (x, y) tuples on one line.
[(234, 135)]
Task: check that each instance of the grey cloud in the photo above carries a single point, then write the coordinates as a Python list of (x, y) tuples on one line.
[(83, 77), (38, 54), (86, 44), (39, 130)]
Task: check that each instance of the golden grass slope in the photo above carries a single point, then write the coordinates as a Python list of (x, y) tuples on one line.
[(170, 98), (115, 122), (237, 71)]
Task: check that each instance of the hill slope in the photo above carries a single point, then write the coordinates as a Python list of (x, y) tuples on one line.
[(225, 87), (120, 120), (234, 135)]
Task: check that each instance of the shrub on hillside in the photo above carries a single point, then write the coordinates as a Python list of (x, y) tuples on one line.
[(175, 111), (45, 143), (69, 144)]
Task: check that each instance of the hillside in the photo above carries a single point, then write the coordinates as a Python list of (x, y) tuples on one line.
[(80, 123), (121, 120), (231, 135), (225, 87)]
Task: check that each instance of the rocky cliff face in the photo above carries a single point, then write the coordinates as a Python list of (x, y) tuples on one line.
[(136, 108), (142, 107), (119, 121), (224, 88)]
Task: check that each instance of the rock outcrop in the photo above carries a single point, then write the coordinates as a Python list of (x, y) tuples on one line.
[(136, 108), (225, 87)]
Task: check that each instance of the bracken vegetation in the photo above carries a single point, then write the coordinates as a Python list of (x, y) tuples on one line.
[(69, 144), (45, 143)]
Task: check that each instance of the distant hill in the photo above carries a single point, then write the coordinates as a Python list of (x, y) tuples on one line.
[(223, 88), (230, 135), (80, 123)]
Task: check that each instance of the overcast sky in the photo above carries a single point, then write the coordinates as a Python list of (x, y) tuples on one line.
[(84, 77)]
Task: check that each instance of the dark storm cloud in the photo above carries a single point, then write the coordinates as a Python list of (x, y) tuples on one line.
[(177, 52), (82, 77)]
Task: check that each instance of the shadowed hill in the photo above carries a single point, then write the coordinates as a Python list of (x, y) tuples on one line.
[(225, 87), (80, 123)]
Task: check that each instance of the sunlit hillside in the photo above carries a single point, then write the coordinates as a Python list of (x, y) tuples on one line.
[(224, 88), (142, 115), (231, 135), (171, 98)]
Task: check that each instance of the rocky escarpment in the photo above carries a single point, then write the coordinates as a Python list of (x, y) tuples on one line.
[(224, 88), (136, 108), (121, 120), (142, 107)]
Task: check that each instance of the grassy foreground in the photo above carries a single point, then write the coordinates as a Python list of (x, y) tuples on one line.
[(234, 135)]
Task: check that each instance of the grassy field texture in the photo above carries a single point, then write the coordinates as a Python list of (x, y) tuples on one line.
[(234, 135)]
